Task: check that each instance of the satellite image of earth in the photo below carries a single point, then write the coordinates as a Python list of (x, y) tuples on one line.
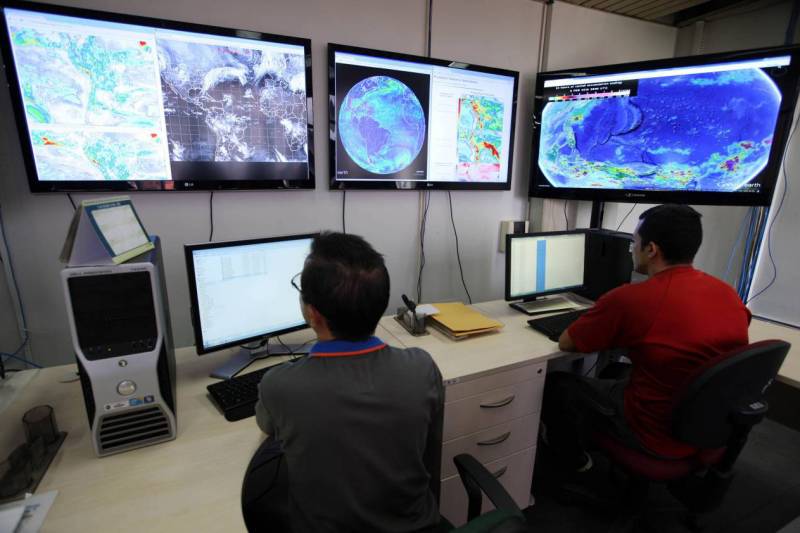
[(381, 125), (699, 132)]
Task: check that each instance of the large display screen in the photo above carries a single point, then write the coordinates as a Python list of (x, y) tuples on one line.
[(408, 122), (109, 102), (704, 129)]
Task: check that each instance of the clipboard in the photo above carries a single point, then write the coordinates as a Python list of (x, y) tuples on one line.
[(104, 232)]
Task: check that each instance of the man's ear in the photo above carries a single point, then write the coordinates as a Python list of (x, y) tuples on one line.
[(652, 250), (314, 317)]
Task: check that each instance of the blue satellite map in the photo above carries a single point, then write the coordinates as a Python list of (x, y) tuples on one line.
[(697, 132), (381, 125)]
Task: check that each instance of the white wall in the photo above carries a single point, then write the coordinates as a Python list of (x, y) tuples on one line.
[(502, 33)]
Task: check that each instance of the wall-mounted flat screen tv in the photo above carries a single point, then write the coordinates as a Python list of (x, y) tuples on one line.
[(399, 121), (705, 129), (105, 101)]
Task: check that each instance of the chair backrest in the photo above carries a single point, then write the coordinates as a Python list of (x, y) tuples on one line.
[(707, 408)]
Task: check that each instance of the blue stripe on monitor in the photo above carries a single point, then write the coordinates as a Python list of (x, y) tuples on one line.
[(541, 260)]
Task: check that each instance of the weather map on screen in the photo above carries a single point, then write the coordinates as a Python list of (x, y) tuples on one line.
[(110, 101), (702, 128), (233, 103), (480, 138)]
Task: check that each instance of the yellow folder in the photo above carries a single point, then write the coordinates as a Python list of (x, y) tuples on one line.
[(461, 319)]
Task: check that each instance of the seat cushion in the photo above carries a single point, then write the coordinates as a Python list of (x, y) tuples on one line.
[(644, 465)]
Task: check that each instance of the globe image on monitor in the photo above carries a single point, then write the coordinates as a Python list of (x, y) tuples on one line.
[(381, 125), (708, 131)]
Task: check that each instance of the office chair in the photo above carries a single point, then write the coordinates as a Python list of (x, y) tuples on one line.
[(714, 410)]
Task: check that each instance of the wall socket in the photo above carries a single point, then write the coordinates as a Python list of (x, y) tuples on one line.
[(511, 227)]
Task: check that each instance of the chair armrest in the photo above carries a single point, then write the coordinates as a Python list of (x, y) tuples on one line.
[(476, 478)]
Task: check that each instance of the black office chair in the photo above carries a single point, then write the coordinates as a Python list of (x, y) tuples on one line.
[(714, 410)]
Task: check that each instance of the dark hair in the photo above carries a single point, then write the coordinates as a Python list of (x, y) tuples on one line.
[(346, 280), (676, 229)]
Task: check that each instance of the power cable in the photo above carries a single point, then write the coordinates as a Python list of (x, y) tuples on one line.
[(775, 218), (15, 285), (426, 201), (626, 217), (458, 253)]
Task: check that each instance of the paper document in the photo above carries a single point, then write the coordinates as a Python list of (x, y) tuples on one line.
[(10, 518), (32, 510), (425, 310)]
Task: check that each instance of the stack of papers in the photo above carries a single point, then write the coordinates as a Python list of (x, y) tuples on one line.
[(459, 321)]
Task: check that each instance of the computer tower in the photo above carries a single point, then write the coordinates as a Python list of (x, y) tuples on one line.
[(120, 325), (608, 262)]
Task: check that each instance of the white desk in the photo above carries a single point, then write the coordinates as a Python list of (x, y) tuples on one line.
[(193, 483), (763, 330)]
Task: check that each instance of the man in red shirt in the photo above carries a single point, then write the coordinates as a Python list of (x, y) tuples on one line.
[(670, 325)]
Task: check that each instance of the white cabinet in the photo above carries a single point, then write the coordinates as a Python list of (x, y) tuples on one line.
[(495, 418)]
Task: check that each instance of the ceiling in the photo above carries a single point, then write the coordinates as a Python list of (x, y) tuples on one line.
[(673, 12)]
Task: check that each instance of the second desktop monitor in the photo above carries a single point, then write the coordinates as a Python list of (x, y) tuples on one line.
[(544, 263)]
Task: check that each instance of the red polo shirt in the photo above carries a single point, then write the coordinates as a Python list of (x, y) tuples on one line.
[(671, 324)]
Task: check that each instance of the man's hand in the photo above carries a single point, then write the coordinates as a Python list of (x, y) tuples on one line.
[(565, 342)]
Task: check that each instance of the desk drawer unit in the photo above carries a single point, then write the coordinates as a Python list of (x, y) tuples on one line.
[(495, 418), (514, 472), (493, 443), (490, 408)]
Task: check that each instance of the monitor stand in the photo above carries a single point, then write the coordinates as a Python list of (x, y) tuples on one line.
[(543, 305), (241, 359)]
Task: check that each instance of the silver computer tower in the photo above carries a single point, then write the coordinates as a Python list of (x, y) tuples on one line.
[(119, 320)]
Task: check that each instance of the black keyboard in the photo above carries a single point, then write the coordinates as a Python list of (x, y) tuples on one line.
[(553, 326), (237, 397)]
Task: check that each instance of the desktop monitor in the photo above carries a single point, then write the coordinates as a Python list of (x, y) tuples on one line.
[(538, 264), (106, 101), (707, 129), (241, 291), (400, 121)]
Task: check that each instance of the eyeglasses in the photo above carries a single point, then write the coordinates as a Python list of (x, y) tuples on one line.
[(296, 282)]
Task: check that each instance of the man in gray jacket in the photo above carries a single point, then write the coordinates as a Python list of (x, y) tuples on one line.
[(356, 418)]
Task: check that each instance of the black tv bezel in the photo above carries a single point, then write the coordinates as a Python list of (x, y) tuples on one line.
[(194, 311), (533, 295), (763, 197), (37, 186), (411, 185)]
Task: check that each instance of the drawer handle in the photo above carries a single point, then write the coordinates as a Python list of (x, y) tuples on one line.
[(496, 440), (501, 403), (500, 472)]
